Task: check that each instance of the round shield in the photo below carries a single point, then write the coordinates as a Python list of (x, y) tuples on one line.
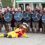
[(36, 17), (8, 17), (43, 18), (27, 16), (18, 16)]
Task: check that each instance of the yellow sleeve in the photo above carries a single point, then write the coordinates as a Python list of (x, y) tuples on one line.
[(1, 35), (10, 33), (17, 30), (13, 34)]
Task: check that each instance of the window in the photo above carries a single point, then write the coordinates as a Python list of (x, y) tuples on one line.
[(43, 5), (22, 6), (35, 5)]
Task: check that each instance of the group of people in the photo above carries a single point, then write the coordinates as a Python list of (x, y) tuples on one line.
[(32, 17)]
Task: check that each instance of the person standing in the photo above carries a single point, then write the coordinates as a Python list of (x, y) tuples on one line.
[(43, 21), (27, 17), (1, 19), (36, 18), (5, 23)]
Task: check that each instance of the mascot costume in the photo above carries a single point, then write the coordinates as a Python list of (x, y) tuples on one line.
[(18, 32)]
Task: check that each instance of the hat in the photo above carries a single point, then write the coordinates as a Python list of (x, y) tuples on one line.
[(25, 25)]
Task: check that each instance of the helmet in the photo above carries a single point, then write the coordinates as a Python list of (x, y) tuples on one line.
[(24, 25)]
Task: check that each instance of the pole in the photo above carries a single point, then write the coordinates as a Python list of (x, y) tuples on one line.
[(14, 2)]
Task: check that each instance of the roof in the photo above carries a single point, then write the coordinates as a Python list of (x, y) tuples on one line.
[(21, 1)]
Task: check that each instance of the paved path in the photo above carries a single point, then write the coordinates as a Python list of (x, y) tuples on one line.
[(34, 39)]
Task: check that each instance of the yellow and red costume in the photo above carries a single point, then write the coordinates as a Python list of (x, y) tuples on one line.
[(19, 32)]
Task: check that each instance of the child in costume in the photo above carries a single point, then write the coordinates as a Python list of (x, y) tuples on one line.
[(18, 32)]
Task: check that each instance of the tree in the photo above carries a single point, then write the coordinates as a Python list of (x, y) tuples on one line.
[(6, 3)]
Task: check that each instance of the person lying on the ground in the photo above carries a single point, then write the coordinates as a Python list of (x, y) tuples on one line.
[(18, 32)]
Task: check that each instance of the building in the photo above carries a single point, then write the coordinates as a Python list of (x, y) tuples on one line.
[(32, 3)]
